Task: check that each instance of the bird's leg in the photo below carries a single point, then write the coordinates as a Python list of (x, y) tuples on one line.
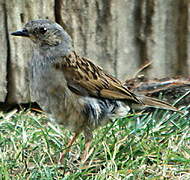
[(70, 143), (88, 140)]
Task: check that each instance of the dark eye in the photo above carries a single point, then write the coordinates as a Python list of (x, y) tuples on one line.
[(42, 30)]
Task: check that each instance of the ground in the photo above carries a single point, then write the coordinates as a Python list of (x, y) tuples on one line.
[(141, 146)]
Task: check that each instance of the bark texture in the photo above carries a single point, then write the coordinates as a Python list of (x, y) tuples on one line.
[(4, 55), (118, 35)]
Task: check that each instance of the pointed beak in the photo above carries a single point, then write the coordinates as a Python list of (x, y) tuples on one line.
[(22, 32)]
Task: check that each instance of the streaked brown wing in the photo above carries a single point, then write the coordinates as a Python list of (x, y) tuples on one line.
[(86, 79)]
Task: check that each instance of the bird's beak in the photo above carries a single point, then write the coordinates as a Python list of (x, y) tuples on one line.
[(22, 32)]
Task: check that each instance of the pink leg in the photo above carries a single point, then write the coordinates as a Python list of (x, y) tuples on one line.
[(88, 140), (70, 143)]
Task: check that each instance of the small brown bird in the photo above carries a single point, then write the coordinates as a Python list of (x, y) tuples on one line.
[(73, 90)]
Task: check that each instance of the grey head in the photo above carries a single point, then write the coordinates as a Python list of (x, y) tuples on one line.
[(45, 33)]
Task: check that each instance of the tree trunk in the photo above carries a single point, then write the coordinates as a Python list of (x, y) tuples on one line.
[(119, 35)]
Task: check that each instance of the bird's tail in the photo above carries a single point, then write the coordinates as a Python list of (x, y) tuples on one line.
[(156, 103)]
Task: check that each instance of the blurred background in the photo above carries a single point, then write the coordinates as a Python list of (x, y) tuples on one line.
[(119, 35)]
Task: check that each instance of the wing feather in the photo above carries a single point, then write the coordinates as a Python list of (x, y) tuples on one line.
[(86, 79)]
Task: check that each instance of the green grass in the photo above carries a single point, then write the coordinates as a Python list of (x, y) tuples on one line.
[(142, 146)]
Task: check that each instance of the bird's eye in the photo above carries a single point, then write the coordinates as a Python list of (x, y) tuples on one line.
[(43, 30)]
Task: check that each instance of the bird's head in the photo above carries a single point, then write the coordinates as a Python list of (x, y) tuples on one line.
[(44, 33)]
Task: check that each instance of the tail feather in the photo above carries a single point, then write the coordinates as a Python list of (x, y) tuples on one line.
[(152, 102)]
